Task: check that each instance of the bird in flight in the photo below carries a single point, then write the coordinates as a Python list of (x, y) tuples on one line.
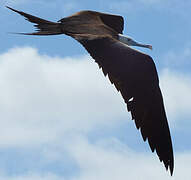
[(132, 72)]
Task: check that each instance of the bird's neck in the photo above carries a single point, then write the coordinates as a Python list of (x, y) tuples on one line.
[(125, 39)]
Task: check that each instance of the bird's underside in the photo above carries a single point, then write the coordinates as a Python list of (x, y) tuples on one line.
[(133, 73)]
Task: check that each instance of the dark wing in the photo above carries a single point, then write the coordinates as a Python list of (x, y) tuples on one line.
[(113, 21), (134, 75)]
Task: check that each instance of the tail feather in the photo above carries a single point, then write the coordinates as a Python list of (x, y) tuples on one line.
[(43, 26)]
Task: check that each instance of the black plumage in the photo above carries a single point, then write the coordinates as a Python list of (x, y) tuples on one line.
[(132, 72)]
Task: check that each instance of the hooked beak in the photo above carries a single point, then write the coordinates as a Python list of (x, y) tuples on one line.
[(150, 47), (142, 45)]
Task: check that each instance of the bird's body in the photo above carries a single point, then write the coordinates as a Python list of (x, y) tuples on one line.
[(132, 72)]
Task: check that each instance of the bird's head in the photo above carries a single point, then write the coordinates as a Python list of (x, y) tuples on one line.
[(130, 42)]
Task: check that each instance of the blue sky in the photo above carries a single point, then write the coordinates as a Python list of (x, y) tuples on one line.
[(56, 123)]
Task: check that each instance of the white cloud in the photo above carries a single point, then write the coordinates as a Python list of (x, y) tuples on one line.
[(176, 90), (176, 85), (179, 59), (113, 160), (55, 101), (31, 176), (41, 94), (110, 159)]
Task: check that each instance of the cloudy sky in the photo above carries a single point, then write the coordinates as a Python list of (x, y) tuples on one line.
[(60, 117)]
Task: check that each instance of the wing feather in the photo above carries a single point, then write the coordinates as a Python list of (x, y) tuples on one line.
[(113, 21), (134, 75)]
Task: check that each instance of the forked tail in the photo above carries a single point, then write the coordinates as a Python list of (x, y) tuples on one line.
[(43, 26)]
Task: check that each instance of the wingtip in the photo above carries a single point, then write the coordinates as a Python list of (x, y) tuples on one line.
[(169, 166), (171, 172), (171, 169), (12, 9)]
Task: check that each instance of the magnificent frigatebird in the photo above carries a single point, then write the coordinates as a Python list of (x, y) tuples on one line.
[(132, 72)]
